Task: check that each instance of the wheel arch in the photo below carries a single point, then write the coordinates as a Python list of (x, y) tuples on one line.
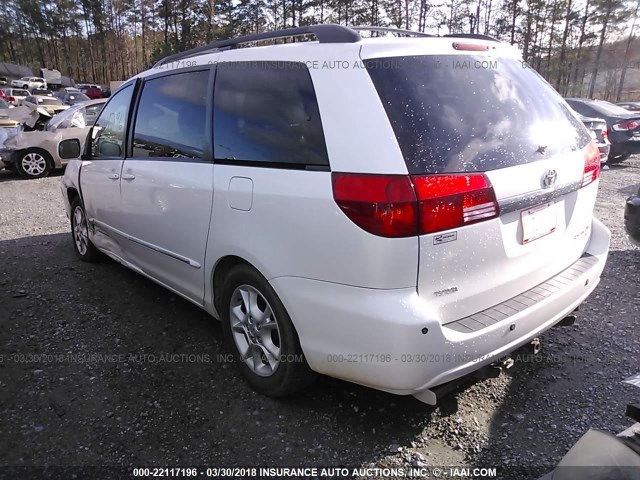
[(72, 193), (220, 271)]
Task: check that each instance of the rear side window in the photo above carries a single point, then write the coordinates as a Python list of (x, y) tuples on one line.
[(171, 118), (582, 109), (467, 113), (267, 112)]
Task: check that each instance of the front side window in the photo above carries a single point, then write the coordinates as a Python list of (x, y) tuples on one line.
[(109, 130), (267, 112), (171, 118)]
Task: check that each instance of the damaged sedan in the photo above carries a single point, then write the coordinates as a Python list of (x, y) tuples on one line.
[(34, 154)]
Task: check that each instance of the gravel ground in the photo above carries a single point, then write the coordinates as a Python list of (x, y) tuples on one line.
[(131, 405)]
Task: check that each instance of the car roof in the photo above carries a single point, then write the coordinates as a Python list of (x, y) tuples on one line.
[(333, 40)]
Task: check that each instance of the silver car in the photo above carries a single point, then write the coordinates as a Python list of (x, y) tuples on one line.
[(34, 154)]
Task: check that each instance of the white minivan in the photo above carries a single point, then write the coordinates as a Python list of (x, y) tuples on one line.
[(395, 212)]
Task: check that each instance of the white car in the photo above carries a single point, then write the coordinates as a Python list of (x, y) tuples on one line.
[(395, 212), (30, 83)]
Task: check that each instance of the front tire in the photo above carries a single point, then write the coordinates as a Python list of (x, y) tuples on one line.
[(33, 163), (261, 336), (82, 245)]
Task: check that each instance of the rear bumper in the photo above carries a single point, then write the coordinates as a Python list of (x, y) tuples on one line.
[(391, 340), (604, 149), (622, 143)]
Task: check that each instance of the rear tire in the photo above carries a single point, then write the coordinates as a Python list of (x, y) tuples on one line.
[(617, 158), (33, 163), (261, 336), (82, 245)]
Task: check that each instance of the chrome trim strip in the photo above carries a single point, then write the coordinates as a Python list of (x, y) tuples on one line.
[(156, 248), (520, 202)]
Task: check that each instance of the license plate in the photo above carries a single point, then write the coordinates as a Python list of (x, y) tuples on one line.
[(538, 221)]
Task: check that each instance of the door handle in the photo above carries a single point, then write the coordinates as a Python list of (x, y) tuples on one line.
[(114, 176), (128, 176)]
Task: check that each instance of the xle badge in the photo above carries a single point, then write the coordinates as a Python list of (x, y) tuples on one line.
[(445, 238)]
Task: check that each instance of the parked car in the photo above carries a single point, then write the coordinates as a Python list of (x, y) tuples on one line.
[(92, 91), (4, 105), (3, 80), (631, 106), (15, 96), (34, 154), (381, 225), (42, 92), (623, 126), (29, 83), (71, 97), (51, 105), (598, 130), (632, 218)]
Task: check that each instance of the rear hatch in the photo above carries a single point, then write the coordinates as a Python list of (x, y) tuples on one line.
[(504, 172)]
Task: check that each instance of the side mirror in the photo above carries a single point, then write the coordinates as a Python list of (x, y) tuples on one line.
[(69, 149)]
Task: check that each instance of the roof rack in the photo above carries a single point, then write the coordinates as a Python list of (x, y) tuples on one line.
[(329, 33), (398, 31), (478, 36)]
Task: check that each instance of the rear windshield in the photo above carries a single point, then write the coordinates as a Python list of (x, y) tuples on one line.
[(608, 108), (472, 113)]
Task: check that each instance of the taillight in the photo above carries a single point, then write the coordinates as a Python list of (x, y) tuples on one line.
[(591, 164), (626, 125), (605, 134), (451, 201), (384, 205), (402, 206), (12, 99)]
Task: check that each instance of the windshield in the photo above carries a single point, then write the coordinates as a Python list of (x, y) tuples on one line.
[(3, 104), (76, 116), (451, 118), (20, 93)]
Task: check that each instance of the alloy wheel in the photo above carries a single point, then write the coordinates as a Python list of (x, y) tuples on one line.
[(255, 330), (34, 164)]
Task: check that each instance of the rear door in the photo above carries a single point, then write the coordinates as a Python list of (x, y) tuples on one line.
[(100, 172), (167, 180), (500, 159)]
